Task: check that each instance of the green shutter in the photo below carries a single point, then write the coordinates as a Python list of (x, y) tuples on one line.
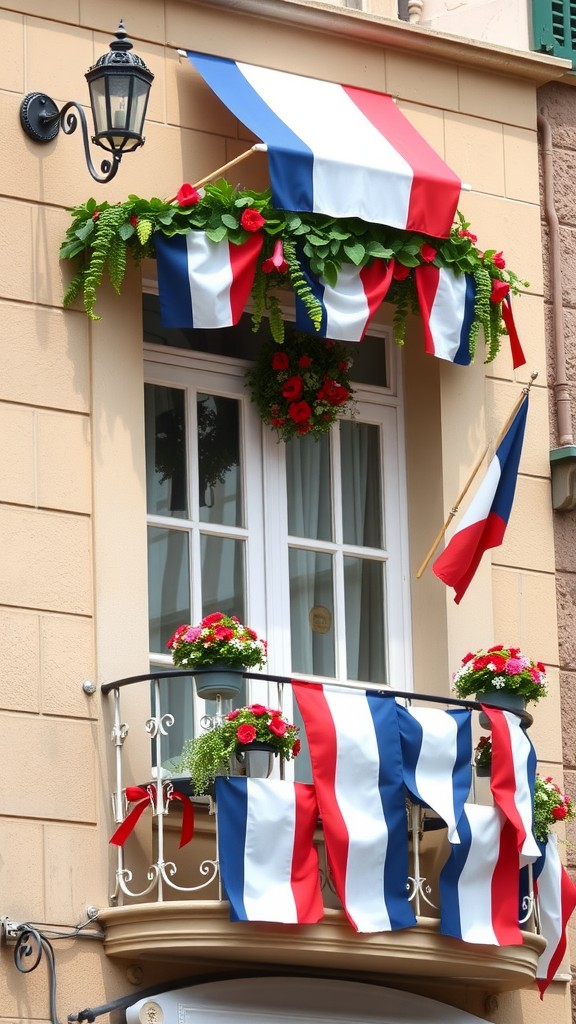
[(554, 27)]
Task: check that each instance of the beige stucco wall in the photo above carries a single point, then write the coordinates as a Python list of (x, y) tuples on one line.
[(504, 24), (73, 602)]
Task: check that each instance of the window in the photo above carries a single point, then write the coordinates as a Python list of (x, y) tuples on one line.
[(306, 542), (554, 27)]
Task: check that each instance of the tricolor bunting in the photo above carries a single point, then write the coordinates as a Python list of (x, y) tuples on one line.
[(479, 883), (357, 770), (556, 895), (203, 283), (337, 149), (348, 307), (437, 760), (446, 301), (512, 778), (268, 862), (484, 523)]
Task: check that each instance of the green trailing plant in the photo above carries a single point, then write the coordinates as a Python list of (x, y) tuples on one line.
[(103, 237), (550, 806)]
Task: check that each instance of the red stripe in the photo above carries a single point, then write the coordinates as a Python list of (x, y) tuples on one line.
[(243, 260), (503, 778), (518, 357), (304, 878), (435, 187), (376, 279), (322, 740), (457, 564), (567, 903), (505, 888), (427, 280)]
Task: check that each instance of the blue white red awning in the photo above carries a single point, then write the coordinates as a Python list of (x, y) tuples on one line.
[(337, 149)]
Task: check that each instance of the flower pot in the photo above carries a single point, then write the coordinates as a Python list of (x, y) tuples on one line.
[(483, 771), (500, 699), (257, 759), (219, 680)]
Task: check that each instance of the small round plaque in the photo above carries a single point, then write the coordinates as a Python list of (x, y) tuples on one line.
[(320, 619)]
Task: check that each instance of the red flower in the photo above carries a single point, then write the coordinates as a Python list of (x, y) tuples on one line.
[(276, 261), (400, 272), (278, 726), (96, 214), (223, 633), (258, 709), (252, 220), (187, 195), (278, 421), (499, 662), (296, 748), (280, 361), (541, 667), (251, 633), (427, 252), (467, 657), (464, 233), (559, 813), (304, 362), (497, 647), (232, 715), (292, 388), (133, 220), (499, 260), (333, 393), (500, 290), (212, 619), (299, 412), (304, 428), (246, 734), (176, 636)]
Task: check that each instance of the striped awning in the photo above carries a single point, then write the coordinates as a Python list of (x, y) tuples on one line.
[(337, 149)]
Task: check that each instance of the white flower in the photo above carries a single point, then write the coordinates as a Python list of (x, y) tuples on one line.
[(498, 682)]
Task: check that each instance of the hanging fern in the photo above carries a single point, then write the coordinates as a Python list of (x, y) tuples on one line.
[(301, 286), (117, 260), (107, 234), (75, 288), (482, 310)]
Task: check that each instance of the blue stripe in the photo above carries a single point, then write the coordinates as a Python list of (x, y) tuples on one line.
[(411, 740), (384, 715), (173, 281), (303, 321), (450, 923), (290, 160), (508, 454), (232, 803), (463, 357), (462, 771)]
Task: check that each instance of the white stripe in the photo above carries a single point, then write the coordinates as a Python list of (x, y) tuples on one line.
[(330, 124), (447, 314), (550, 905), (270, 826), (358, 796), (346, 306), (523, 797), (210, 278), (436, 763), (475, 882), (482, 502)]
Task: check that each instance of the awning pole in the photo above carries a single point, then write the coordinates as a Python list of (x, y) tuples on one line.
[(258, 147)]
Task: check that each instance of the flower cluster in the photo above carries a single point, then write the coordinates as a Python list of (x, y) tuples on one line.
[(302, 386), (209, 754), (550, 805), (501, 668), (218, 638), (483, 752)]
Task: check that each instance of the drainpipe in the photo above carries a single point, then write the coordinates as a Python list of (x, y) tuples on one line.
[(562, 459)]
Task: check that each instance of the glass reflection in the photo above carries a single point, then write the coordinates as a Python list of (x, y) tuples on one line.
[(166, 474), (168, 584), (223, 588), (312, 612), (365, 625), (219, 471), (308, 488), (361, 484)]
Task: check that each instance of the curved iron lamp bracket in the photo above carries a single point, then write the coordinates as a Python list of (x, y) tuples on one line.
[(41, 120)]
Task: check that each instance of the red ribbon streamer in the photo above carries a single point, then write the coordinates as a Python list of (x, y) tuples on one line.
[(142, 798), (518, 357)]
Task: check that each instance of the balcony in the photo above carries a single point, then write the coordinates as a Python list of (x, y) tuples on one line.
[(167, 902)]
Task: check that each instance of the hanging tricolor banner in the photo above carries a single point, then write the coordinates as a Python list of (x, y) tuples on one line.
[(268, 862), (203, 283), (446, 302), (357, 770), (349, 305), (556, 894), (337, 149), (513, 777)]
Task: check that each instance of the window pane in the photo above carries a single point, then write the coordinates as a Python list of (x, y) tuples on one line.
[(219, 473), (223, 576), (168, 584), (361, 484), (166, 477), (308, 488), (365, 624), (311, 612)]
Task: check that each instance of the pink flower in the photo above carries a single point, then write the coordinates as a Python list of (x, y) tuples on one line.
[(276, 261), (499, 260), (464, 233), (246, 734), (280, 361), (187, 195), (252, 220), (96, 214), (192, 634), (513, 667), (427, 252), (278, 726), (176, 635)]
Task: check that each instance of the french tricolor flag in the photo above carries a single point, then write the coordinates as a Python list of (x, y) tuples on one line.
[(203, 283), (446, 303), (556, 902), (337, 149), (479, 883), (357, 769), (348, 307), (437, 759), (513, 777), (268, 862), (484, 524)]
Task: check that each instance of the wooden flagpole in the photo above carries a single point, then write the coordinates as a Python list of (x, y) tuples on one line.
[(464, 491), (258, 147)]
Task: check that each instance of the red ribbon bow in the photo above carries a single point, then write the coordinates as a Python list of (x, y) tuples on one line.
[(142, 798)]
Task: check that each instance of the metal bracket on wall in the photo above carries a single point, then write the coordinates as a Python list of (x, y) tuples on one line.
[(563, 471)]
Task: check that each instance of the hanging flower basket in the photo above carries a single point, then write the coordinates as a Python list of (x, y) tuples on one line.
[(501, 673), (550, 806), (223, 646)]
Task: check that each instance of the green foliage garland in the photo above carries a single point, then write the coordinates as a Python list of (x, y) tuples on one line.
[(104, 236)]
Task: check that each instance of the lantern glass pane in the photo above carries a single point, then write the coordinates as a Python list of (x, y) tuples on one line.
[(139, 104), (98, 102)]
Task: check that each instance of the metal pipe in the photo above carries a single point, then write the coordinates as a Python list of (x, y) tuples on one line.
[(561, 389)]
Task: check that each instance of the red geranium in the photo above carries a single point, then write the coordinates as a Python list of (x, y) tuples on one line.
[(499, 260), (400, 272), (427, 252), (278, 726), (246, 734), (304, 362), (292, 389), (299, 412), (333, 393), (252, 220), (280, 361), (187, 195), (500, 290)]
